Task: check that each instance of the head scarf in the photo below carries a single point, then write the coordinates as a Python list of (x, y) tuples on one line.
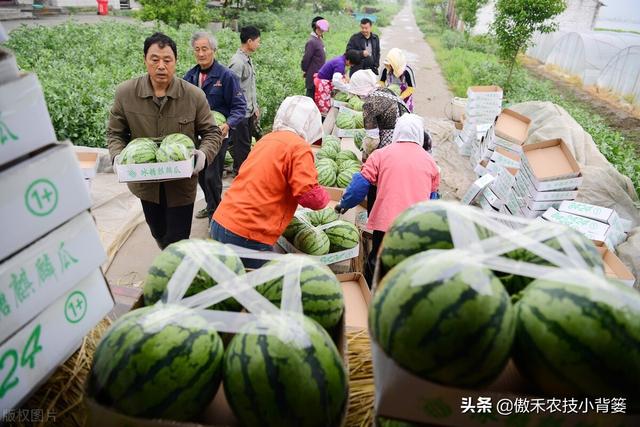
[(409, 128), (300, 115), (397, 60), (323, 24), (363, 82)]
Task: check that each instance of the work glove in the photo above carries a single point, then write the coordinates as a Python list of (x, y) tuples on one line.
[(201, 160), (339, 209)]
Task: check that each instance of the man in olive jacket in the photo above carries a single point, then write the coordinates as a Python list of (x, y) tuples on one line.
[(155, 105)]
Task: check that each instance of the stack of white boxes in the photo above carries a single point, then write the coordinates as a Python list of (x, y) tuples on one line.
[(483, 105), (52, 291)]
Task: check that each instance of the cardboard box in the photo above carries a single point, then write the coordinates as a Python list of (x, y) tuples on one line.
[(8, 66), (25, 125), (512, 127), (88, 163), (357, 298), (330, 258), (338, 104), (492, 198), (506, 158), (49, 339), (476, 188), (481, 168), (614, 268), (527, 212), (598, 213), (47, 269), (504, 182), (401, 395), (474, 92), (551, 166), (593, 230), (542, 206), (144, 172), (485, 205), (38, 195)]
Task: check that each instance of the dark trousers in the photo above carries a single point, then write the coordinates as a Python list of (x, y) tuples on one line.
[(370, 266), (210, 179), (311, 91), (167, 225), (371, 198), (222, 235), (241, 137)]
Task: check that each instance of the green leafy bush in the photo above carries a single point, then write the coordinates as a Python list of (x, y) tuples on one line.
[(175, 12)]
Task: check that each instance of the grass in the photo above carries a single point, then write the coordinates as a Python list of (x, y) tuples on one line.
[(467, 63)]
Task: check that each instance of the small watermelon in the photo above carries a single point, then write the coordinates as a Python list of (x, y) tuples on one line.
[(138, 151), (342, 97), (285, 372), (326, 175), (181, 139), (228, 159), (358, 136), (162, 361), (312, 241), (355, 103), (321, 292), (345, 120), (219, 118), (322, 216), (327, 152), (351, 165), (294, 228), (344, 178), (395, 89), (331, 141), (346, 155), (444, 320), (172, 152), (165, 264), (326, 162), (578, 334), (359, 120), (342, 236)]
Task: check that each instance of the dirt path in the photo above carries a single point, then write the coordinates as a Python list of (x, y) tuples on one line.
[(432, 93)]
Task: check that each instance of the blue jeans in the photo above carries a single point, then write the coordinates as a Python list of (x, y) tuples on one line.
[(222, 235)]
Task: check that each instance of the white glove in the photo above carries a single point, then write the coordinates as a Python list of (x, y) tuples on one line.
[(201, 159)]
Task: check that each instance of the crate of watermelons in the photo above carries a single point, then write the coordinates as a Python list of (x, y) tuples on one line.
[(481, 319), (149, 159)]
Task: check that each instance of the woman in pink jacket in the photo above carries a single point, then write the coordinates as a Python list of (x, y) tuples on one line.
[(405, 174)]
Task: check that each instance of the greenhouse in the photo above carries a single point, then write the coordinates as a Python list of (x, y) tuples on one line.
[(622, 73)]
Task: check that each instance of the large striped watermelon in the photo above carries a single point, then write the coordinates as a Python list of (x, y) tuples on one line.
[(342, 96), (345, 120), (327, 152), (327, 162), (578, 334), (344, 178), (293, 228), (330, 141), (342, 236), (322, 298), (359, 120), (358, 136), (165, 264), (326, 174), (355, 103), (350, 165), (344, 155), (140, 150), (322, 216), (444, 320), (172, 152), (157, 362), (312, 241), (285, 372), (179, 138)]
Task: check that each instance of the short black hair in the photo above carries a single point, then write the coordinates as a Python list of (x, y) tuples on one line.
[(353, 56), (366, 21), (161, 40), (314, 20), (249, 33)]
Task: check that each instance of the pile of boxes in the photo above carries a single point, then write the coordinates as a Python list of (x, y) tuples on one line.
[(483, 105), (52, 291)]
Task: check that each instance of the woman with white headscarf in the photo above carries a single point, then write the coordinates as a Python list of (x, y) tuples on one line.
[(397, 72), (405, 174), (278, 175)]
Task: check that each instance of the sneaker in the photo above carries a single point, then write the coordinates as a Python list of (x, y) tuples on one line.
[(202, 213)]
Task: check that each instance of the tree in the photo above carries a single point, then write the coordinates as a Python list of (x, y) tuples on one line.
[(468, 11), (175, 12), (516, 22)]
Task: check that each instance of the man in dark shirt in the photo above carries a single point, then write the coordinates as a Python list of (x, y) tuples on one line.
[(368, 44)]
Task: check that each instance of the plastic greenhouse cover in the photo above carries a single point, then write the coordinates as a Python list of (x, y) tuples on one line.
[(622, 73)]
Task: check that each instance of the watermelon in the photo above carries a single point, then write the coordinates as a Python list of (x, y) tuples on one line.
[(293, 228), (322, 216), (358, 136), (359, 120), (345, 120), (326, 174), (270, 379), (219, 118), (322, 298), (342, 96), (163, 361), (138, 151), (172, 152), (444, 320), (578, 334), (331, 141), (312, 241), (228, 159), (355, 103), (326, 152), (395, 89), (345, 155), (350, 165), (342, 236), (327, 162), (165, 264), (344, 178), (181, 139)]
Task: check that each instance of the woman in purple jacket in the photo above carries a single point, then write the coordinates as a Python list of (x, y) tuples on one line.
[(314, 53)]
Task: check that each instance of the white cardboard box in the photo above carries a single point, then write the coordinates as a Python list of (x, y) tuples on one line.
[(25, 124), (593, 230), (542, 206), (492, 198), (484, 204), (551, 166), (476, 188), (599, 213), (506, 158), (488, 92), (512, 127), (49, 339), (88, 161), (330, 258), (614, 268), (548, 195), (504, 182), (8, 66), (38, 195), (3, 34), (42, 272), (154, 171)]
